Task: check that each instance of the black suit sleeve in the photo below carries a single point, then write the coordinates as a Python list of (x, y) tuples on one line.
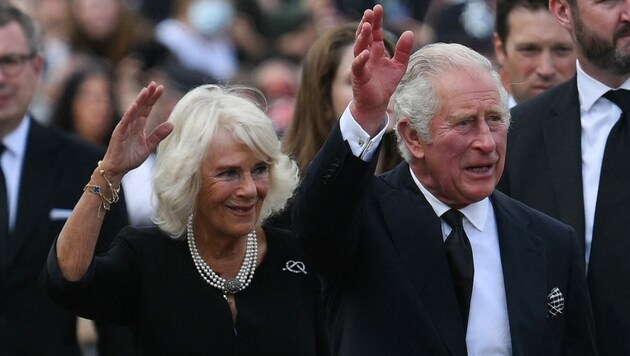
[(328, 212)]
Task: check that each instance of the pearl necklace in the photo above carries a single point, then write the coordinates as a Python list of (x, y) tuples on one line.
[(232, 285)]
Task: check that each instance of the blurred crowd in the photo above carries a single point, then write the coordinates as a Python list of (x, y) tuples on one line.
[(99, 53)]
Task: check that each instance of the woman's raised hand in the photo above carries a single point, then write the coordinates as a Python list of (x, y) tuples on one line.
[(130, 144)]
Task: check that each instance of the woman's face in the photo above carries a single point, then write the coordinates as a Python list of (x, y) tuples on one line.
[(341, 90), (93, 107), (234, 184)]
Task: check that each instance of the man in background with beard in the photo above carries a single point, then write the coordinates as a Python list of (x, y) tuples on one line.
[(568, 155)]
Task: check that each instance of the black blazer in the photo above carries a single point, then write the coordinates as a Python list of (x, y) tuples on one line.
[(544, 170), (56, 167), (386, 281)]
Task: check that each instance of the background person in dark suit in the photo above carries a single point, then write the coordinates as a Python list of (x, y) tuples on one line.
[(45, 172), (556, 154), (379, 243)]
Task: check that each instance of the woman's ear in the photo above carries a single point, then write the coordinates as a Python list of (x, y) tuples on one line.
[(411, 139)]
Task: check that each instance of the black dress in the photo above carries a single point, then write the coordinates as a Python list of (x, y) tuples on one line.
[(149, 282)]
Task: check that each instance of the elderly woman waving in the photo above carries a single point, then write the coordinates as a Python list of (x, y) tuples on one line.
[(208, 279)]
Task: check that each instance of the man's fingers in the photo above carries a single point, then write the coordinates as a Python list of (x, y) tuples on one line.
[(404, 46), (377, 24), (364, 39), (358, 65)]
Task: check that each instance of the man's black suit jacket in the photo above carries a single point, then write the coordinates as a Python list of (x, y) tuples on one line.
[(387, 286), (544, 170), (56, 167)]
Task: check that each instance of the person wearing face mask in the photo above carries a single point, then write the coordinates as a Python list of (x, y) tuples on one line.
[(197, 35)]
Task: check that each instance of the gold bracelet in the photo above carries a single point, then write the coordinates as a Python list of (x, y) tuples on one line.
[(96, 190), (116, 191)]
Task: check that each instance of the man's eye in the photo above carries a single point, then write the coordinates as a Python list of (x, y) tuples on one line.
[(12, 60), (528, 51)]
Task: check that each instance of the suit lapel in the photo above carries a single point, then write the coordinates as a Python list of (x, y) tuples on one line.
[(417, 236), (37, 184), (563, 141), (524, 274)]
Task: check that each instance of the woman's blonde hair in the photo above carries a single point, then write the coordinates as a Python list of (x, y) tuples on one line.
[(197, 118)]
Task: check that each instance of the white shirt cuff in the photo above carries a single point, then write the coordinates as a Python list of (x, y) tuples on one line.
[(360, 142)]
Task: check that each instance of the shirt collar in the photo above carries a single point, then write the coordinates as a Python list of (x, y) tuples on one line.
[(476, 213), (15, 141), (590, 89), (511, 101)]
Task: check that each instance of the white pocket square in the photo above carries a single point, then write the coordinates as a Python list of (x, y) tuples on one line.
[(59, 214), (555, 302)]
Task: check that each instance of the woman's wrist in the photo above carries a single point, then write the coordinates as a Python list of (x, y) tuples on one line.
[(105, 187)]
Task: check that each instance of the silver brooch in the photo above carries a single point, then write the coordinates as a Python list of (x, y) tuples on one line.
[(295, 267)]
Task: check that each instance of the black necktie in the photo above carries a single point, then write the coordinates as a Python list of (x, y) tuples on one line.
[(460, 258), (4, 205), (613, 195)]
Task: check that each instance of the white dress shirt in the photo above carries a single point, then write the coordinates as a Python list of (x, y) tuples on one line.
[(598, 116), (511, 101), (137, 186), (488, 331), (12, 160)]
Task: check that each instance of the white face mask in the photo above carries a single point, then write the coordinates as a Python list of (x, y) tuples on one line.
[(210, 17)]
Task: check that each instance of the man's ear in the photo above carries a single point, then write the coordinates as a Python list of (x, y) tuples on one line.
[(562, 13), (499, 50), (411, 138), (38, 64)]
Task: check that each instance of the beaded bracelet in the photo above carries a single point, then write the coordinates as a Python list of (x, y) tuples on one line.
[(106, 202), (115, 191)]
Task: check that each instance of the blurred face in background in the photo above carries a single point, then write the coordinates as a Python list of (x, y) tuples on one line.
[(341, 89), (19, 76), (537, 54), (93, 108), (98, 18), (53, 15)]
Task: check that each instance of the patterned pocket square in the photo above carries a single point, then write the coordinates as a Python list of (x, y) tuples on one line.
[(555, 303)]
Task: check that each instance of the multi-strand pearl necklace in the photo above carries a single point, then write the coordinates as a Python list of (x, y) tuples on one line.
[(232, 285)]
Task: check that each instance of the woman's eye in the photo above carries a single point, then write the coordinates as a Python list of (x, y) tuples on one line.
[(228, 174), (260, 170)]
